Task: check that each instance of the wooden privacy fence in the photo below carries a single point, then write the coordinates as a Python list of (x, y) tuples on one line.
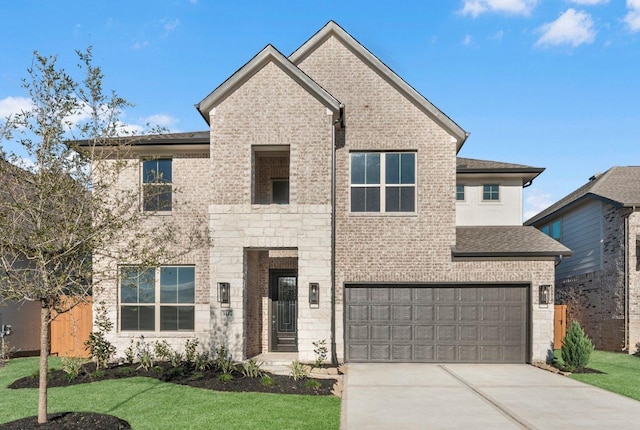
[(70, 330), (559, 325)]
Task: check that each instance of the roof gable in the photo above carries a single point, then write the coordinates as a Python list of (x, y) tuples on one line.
[(268, 55), (473, 167), (334, 30)]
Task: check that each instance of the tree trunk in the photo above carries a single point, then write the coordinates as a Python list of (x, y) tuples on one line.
[(45, 314)]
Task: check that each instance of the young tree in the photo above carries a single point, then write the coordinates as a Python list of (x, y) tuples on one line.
[(65, 216)]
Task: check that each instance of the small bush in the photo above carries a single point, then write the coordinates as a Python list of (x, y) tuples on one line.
[(145, 357), (576, 347), (313, 384), (162, 350), (100, 348), (298, 370), (124, 372), (252, 368), (223, 361), (130, 353), (321, 351), (225, 377), (191, 350), (267, 381), (72, 366), (201, 362)]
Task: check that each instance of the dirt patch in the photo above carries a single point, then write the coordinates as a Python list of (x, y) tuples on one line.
[(209, 379), (69, 421)]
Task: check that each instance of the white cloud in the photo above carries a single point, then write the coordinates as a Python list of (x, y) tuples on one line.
[(161, 120), (141, 45), (571, 28), (511, 7), (632, 18), (467, 40), (13, 105), (535, 202), (588, 2), (170, 25), (498, 35)]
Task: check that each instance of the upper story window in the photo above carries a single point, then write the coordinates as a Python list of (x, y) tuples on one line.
[(271, 176), (157, 298), (383, 182), (156, 185), (491, 192), (460, 192), (553, 229)]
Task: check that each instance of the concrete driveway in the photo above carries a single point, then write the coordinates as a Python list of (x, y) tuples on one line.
[(477, 396)]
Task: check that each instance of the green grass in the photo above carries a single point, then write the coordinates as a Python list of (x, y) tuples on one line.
[(151, 404), (621, 372)]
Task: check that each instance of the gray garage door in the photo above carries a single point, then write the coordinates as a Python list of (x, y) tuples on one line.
[(468, 324)]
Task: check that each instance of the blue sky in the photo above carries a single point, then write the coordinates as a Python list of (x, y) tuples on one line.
[(547, 83)]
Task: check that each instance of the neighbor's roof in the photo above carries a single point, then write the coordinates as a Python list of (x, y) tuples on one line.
[(506, 241), (619, 186), (333, 29)]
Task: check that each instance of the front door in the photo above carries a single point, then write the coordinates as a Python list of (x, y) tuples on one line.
[(283, 294)]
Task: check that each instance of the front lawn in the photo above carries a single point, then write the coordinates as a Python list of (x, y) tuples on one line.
[(152, 404), (621, 373)]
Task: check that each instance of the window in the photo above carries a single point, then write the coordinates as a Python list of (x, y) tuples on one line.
[(553, 229), (149, 301), (460, 192), (491, 192), (280, 191), (383, 182), (156, 185)]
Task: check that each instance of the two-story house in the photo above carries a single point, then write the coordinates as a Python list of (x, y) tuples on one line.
[(335, 207), (600, 283)]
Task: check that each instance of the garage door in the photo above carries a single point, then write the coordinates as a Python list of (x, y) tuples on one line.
[(467, 324)]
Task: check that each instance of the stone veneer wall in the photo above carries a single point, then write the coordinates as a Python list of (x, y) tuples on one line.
[(597, 299), (270, 109), (191, 175), (412, 248)]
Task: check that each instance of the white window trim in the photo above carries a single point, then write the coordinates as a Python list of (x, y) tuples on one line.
[(382, 185), (156, 304)]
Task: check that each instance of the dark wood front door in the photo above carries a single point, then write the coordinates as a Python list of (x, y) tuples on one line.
[(283, 294)]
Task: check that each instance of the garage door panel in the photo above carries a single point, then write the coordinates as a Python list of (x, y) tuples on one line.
[(436, 324), (423, 312), (380, 352), (381, 312), (380, 332), (468, 313), (446, 313), (402, 353), (358, 312), (402, 332), (381, 294), (402, 312), (424, 333)]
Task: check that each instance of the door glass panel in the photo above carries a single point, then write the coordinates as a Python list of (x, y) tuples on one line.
[(287, 300)]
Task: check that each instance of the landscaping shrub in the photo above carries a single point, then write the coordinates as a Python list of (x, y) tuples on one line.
[(72, 366), (252, 368), (576, 348), (298, 370), (100, 348), (321, 351)]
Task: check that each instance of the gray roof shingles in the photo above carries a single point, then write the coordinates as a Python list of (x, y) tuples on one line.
[(619, 185), (506, 241)]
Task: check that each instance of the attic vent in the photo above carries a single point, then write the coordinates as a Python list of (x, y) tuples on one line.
[(594, 177)]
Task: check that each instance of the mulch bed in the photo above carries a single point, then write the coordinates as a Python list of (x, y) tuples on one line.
[(207, 379)]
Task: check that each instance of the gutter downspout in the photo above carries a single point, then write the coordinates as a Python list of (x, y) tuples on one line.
[(338, 121)]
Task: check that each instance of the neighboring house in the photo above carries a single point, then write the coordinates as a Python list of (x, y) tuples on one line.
[(328, 183), (600, 283)]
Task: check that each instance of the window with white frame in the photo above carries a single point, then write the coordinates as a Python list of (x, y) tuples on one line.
[(383, 182), (157, 299), (459, 192), (490, 192), (156, 185)]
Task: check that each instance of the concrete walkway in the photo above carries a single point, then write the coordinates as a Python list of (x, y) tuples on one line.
[(482, 396)]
